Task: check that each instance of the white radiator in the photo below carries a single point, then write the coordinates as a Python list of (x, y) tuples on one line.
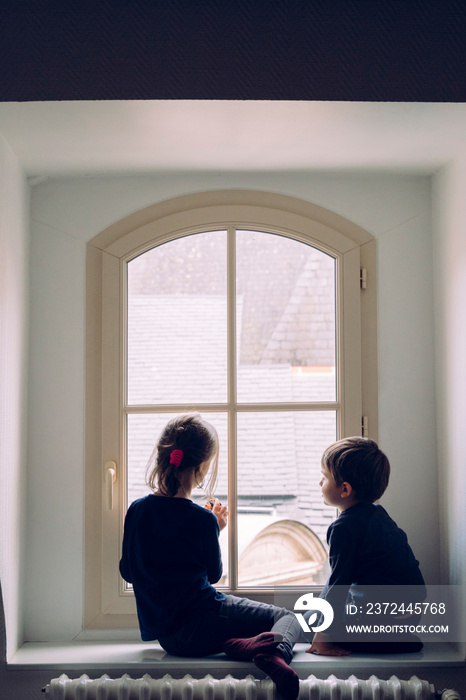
[(229, 688)]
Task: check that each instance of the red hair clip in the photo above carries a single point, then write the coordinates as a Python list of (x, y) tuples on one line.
[(176, 457)]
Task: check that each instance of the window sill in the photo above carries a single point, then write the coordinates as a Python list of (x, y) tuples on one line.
[(148, 657)]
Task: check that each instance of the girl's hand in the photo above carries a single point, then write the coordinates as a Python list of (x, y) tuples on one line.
[(220, 511), (222, 515)]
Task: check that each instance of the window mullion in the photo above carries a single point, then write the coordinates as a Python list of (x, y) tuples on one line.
[(239, 407), (232, 443)]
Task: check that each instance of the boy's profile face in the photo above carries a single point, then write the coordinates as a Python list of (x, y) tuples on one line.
[(331, 492), (339, 495)]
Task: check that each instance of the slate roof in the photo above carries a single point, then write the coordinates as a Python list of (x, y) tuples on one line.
[(176, 352)]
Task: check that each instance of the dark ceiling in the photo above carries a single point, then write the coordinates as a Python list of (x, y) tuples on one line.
[(363, 50)]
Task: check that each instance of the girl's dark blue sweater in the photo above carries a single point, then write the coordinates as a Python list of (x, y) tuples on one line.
[(171, 556)]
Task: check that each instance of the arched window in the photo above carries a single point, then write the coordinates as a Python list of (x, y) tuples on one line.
[(246, 307)]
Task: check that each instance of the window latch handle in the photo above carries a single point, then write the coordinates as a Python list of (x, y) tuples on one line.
[(110, 478)]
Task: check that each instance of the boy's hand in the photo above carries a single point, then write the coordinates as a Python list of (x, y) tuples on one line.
[(323, 646), (220, 511)]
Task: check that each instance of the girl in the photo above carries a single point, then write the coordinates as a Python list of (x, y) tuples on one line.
[(171, 555)]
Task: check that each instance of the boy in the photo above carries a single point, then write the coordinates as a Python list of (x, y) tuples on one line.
[(366, 548)]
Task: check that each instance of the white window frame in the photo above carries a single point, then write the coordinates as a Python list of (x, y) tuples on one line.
[(108, 604)]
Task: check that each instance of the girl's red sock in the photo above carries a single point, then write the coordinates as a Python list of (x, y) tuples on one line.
[(245, 649), (285, 679)]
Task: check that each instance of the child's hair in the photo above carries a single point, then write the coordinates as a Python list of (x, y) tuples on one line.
[(198, 441), (361, 463)]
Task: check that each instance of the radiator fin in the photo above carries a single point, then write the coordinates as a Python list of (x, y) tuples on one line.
[(229, 688)]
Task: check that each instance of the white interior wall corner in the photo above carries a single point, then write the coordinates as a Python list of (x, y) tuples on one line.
[(449, 246), (14, 315)]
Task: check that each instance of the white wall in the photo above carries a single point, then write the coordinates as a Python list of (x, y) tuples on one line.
[(14, 258), (449, 209), (67, 213)]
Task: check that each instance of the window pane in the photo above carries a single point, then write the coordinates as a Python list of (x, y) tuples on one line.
[(282, 519), (177, 322), (143, 431), (285, 319)]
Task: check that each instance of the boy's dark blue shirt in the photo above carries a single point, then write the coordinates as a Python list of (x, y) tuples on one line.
[(367, 548), (171, 555)]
